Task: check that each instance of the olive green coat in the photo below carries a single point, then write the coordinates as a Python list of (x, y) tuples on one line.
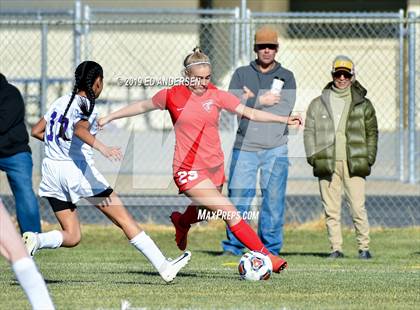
[(361, 134)]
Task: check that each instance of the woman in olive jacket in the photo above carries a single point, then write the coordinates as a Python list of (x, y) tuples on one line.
[(341, 137)]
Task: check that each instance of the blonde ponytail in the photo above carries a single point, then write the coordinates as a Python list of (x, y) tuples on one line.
[(197, 57)]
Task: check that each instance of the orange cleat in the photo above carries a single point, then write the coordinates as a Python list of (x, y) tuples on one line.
[(279, 264), (181, 232)]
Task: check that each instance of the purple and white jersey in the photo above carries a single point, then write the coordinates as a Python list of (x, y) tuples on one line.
[(57, 148)]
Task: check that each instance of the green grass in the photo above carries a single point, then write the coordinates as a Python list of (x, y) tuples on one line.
[(104, 269)]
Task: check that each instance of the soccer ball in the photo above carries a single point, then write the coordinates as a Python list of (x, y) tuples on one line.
[(255, 266)]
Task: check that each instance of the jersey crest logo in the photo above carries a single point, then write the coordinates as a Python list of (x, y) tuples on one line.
[(207, 105)]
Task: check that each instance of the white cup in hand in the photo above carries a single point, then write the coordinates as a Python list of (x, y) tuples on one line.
[(277, 86)]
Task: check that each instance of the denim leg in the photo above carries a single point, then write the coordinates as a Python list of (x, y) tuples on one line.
[(242, 183), (274, 171), (19, 173)]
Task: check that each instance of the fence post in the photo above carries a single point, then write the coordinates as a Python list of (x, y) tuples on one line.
[(86, 31), (401, 96), (237, 38), (243, 30), (77, 32), (411, 97), (248, 43), (43, 83), (44, 68)]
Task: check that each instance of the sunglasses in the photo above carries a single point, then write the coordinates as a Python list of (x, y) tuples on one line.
[(338, 74), (264, 46)]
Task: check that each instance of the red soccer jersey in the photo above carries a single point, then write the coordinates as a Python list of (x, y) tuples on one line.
[(196, 123)]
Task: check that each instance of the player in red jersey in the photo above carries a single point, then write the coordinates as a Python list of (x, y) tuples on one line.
[(198, 163)]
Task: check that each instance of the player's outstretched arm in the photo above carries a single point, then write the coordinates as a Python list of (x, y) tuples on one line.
[(38, 130), (81, 130), (266, 117), (133, 109)]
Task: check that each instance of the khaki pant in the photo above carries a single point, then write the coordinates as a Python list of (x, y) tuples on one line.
[(354, 192)]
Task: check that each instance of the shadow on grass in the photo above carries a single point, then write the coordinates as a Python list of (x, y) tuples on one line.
[(134, 282), (47, 281), (317, 254), (182, 274), (68, 281), (211, 253)]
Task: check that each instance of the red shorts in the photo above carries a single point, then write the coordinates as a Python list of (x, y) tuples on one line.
[(187, 179)]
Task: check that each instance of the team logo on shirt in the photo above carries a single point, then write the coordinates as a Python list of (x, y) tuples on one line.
[(207, 105)]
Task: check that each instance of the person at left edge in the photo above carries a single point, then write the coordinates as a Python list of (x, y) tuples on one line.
[(15, 156), (24, 268)]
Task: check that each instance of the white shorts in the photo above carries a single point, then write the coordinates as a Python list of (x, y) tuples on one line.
[(70, 180)]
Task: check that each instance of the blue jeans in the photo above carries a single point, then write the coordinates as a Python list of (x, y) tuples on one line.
[(18, 168), (274, 166)]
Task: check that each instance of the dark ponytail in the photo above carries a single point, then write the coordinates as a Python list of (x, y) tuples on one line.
[(85, 76), (90, 79)]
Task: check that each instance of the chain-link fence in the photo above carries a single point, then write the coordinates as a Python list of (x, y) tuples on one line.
[(39, 57), (309, 45), (416, 102)]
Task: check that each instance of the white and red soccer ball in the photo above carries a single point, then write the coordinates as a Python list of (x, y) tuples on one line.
[(255, 266)]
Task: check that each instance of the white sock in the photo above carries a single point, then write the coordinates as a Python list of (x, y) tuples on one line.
[(50, 240), (32, 283), (147, 246)]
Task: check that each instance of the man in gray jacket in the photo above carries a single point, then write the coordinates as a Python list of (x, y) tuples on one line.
[(261, 146)]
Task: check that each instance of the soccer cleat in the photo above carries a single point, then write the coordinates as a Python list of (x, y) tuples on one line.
[(170, 267), (279, 264), (31, 242), (181, 233)]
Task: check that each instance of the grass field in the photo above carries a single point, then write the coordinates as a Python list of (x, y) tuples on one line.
[(104, 270)]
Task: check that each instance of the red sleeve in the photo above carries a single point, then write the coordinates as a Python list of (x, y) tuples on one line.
[(228, 101), (159, 99)]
